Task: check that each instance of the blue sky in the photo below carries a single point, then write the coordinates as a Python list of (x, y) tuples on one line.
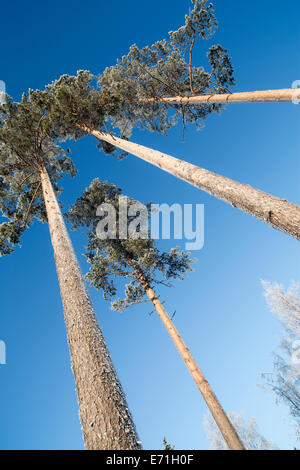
[(221, 311)]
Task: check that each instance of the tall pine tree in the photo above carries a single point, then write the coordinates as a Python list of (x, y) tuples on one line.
[(31, 163)]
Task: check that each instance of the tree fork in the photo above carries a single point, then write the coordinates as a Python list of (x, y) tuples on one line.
[(106, 420), (279, 213)]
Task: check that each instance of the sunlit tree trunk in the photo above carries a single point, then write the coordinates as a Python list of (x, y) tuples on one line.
[(267, 96), (279, 213), (106, 421), (226, 428)]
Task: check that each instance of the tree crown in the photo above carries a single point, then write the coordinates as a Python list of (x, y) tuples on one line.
[(134, 259)]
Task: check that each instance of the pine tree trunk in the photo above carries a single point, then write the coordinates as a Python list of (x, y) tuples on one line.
[(106, 421), (226, 428), (279, 213), (267, 96)]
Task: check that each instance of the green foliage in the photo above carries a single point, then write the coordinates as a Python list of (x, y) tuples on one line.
[(10, 234), (69, 101), (118, 102), (285, 379), (200, 22), (135, 260), (26, 146)]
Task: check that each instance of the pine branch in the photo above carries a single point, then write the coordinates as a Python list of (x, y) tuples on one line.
[(31, 202)]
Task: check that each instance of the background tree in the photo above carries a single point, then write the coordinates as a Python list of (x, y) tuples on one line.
[(285, 380), (31, 163), (131, 255), (248, 432)]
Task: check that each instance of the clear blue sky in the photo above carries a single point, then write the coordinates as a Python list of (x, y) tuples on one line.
[(221, 312)]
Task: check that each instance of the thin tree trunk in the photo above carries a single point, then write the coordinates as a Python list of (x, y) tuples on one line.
[(106, 420), (279, 213), (226, 428), (266, 96)]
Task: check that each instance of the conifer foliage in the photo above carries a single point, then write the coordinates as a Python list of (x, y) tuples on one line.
[(117, 101)]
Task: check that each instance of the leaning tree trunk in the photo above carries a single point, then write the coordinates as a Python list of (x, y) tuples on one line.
[(279, 213), (226, 428), (106, 421), (267, 96)]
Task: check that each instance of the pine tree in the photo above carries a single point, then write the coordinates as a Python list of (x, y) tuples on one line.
[(120, 104), (284, 95), (126, 251), (285, 379), (248, 432), (31, 163)]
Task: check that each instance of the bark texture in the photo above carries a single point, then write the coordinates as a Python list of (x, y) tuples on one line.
[(267, 96), (279, 213), (106, 420)]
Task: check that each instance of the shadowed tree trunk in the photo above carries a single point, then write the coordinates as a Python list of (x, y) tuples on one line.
[(226, 428), (106, 420), (267, 96), (279, 213)]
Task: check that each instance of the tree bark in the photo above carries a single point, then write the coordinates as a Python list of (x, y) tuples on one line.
[(225, 426), (106, 420), (267, 96), (279, 213)]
